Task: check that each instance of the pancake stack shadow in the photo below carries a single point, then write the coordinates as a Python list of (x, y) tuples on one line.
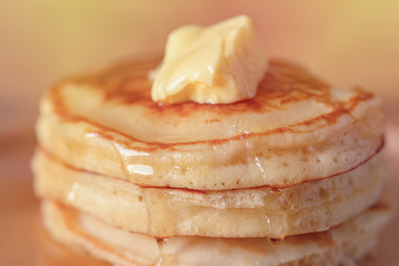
[(293, 176)]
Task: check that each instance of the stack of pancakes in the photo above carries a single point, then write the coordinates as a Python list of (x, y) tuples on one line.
[(290, 177)]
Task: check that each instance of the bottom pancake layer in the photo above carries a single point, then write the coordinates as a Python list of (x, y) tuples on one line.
[(342, 244)]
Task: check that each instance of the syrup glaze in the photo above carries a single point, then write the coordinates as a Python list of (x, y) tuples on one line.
[(275, 241), (164, 258)]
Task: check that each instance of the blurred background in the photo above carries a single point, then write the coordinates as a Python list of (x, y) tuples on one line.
[(347, 43)]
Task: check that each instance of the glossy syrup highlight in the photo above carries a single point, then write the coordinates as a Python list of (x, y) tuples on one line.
[(275, 241), (164, 258)]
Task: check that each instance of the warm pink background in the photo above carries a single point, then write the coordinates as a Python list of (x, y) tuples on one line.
[(346, 42)]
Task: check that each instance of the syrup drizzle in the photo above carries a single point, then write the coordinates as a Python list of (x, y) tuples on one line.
[(164, 259), (127, 167), (161, 246), (275, 241), (121, 159)]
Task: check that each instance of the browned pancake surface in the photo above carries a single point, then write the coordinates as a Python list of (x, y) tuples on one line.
[(296, 129)]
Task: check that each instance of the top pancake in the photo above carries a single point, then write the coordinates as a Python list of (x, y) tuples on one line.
[(296, 129)]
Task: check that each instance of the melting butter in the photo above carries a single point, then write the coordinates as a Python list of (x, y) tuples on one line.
[(223, 63)]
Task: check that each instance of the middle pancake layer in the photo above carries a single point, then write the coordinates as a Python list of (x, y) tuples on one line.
[(258, 212)]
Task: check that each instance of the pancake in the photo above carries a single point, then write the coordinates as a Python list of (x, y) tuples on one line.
[(342, 244), (296, 129), (257, 212), (301, 161)]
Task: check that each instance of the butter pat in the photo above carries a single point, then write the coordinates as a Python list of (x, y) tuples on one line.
[(223, 63)]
